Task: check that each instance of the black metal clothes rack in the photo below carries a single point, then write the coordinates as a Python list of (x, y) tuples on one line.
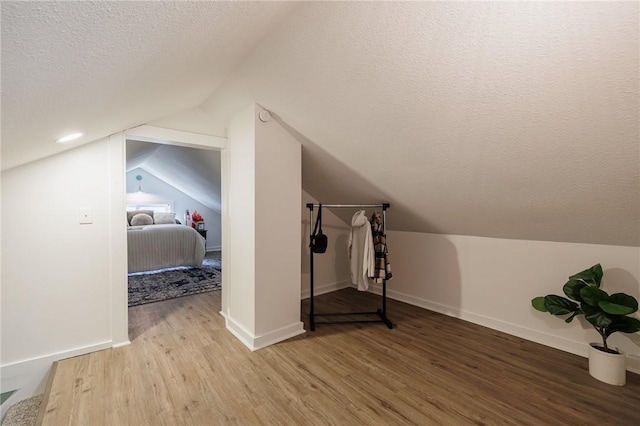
[(382, 312)]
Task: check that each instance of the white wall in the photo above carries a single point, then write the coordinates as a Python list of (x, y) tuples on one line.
[(56, 273), (240, 294), (487, 281), (182, 202), (263, 302), (331, 269), (278, 197), (491, 282)]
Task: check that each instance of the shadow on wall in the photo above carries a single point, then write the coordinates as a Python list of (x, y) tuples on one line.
[(426, 271), (618, 280), (614, 280), (331, 269), (341, 259), (336, 248), (329, 180)]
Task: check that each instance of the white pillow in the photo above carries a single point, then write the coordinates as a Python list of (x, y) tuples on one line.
[(141, 219), (164, 218)]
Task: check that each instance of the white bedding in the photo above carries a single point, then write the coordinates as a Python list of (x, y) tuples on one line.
[(154, 247)]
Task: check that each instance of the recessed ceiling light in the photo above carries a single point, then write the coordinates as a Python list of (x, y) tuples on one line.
[(69, 138)]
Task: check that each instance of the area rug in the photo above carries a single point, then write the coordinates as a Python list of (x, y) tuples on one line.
[(163, 284)]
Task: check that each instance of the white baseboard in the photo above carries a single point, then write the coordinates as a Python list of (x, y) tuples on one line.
[(325, 288), (240, 332), (279, 335), (29, 376), (213, 248), (255, 343), (121, 344), (563, 344), (16, 374)]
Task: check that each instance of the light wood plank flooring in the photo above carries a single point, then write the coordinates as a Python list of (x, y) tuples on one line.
[(184, 368)]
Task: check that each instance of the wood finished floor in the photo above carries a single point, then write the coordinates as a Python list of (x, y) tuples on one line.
[(184, 368)]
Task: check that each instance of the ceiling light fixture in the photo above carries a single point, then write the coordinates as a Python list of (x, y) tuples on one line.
[(69, 138)]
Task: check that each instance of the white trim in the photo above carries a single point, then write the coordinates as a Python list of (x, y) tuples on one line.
[(31, 373), (567, 345), (118, 241), (325, 288), (213, 248), (225, 237), (121, 344), (278, 335), (240, 332), (255, 343), (166, 136)]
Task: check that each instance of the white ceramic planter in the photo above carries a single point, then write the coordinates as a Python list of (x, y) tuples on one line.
[(606, 367)]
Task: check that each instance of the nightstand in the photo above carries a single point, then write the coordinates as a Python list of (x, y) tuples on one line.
[(202, 232)]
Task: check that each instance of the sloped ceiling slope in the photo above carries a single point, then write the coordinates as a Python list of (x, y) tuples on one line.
[(101, 67), (194, 172), (498, 119)]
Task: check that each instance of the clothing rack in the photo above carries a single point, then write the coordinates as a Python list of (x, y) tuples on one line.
[(382, 312)]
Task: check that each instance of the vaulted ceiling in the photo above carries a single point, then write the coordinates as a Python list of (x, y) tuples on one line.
[(101, 66), (498, 119), (194, 172)]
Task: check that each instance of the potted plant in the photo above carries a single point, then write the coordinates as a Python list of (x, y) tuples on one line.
[(606, 313)]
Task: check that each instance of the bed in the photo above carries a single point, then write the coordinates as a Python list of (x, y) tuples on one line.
[(152, 247)]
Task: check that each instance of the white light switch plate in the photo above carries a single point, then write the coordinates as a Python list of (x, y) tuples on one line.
[(85, 215)]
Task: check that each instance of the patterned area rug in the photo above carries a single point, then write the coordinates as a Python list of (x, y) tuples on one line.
[(155, 286)]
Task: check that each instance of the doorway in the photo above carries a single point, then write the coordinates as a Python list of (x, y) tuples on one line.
[(177, 190), (164, 145)]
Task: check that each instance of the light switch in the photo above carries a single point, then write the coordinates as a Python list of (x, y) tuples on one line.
[(86, 215)]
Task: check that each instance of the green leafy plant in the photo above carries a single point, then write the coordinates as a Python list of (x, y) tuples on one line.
[(607, 314)]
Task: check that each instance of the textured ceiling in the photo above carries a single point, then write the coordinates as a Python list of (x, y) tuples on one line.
[(194, 172), (498, 119), (102, 66)]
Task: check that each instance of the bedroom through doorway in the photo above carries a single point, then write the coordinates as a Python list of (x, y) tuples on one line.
[(174, 226)]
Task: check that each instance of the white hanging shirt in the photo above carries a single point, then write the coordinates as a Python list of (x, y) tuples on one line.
[(361, 252)]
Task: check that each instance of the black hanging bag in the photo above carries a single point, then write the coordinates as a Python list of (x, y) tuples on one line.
[(319, 241)]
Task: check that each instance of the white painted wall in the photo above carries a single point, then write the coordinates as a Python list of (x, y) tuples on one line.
[(491, 282), (331, 269), (64, 286), (240, 294), (181, 202), (278, 197), (263, 305), (487, 281), (55, 272)]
